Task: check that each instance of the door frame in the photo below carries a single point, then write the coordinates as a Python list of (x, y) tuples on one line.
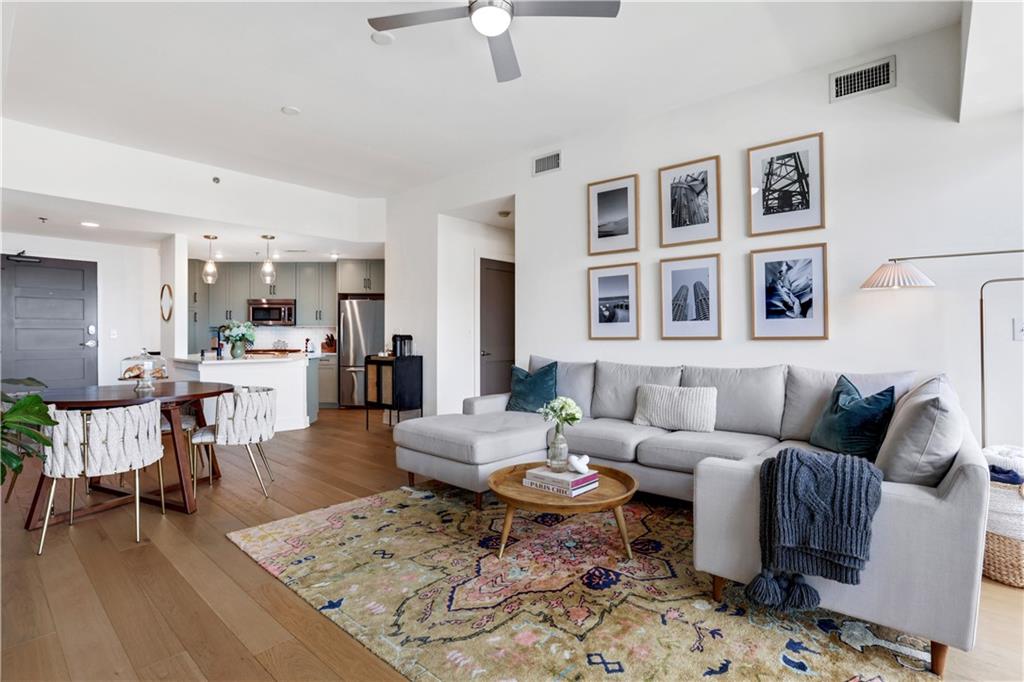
[(480, 254)]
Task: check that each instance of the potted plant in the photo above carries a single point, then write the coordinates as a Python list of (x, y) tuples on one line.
[(20, 420), (237, 334), (562, 411)]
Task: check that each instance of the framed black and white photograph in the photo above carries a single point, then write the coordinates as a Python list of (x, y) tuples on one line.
[(612, 215), (790, 292), (787, 185), (614, 301), (690, 203), (690, 298)]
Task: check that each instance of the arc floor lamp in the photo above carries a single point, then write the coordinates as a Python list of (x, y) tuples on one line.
[(899, 273)]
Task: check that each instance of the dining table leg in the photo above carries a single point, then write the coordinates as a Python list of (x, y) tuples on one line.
[(181, 458), (211, 456), (30, 519)]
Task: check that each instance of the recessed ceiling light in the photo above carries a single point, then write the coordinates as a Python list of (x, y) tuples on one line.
[(277, 255), (86, 223), (382, 38), (504, 214), (290, 110), (335, 256), (218, 255)]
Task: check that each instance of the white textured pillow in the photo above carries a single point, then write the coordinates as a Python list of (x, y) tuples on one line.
[(677, 408)]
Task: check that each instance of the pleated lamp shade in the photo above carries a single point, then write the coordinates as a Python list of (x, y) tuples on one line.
[(896, 275)]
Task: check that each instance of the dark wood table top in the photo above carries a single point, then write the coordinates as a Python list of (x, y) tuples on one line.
[(167, 392)]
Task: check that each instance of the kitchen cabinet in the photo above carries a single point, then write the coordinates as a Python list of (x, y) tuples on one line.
[(283, 286), (198, 307), (229, 296), (307, 294), (328, 295), (376, 277), (328, 371), (358, 276)]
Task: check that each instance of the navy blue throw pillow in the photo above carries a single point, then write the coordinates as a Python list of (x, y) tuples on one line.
[(852, 424), (530, 392)]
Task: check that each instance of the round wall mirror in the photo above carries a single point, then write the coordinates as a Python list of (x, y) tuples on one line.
[(166, 302)]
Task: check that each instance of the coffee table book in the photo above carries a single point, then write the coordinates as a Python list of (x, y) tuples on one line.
[(558, 490), (567, 480)]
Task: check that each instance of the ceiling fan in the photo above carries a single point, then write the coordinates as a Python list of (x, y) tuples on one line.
[(492, 19)]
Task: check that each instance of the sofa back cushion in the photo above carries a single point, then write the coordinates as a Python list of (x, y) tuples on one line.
[(676, 408), (575, 380), (615, 387), (750, 400), (925, 435), (808, 392)]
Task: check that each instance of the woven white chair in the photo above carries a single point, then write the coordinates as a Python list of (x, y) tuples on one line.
[(245, 417), (102, 443)]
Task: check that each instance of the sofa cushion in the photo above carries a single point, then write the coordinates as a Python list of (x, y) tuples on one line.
[(575, 380), (615, 387), (750, 399), (612, 439), (854, 424), (474, 438), (530, 392), (924, 436), (677, 408), (681, 450), (808, 391)]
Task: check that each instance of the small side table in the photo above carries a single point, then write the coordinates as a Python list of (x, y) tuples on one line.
[(393, 383)]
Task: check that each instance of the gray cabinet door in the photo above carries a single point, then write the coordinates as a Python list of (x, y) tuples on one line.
[(219, 296), (376, 277), (351, 274), (257, 288), (284, 286), (328, 295), (237, 276), (328, 382), (307, 294)]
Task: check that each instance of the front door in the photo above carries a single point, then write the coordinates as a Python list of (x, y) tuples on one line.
[(497, 325), (49, 321)]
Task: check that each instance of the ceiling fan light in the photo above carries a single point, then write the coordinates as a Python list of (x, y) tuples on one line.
[(491, 17)]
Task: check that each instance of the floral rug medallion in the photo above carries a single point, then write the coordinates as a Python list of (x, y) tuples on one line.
[(414, 575)]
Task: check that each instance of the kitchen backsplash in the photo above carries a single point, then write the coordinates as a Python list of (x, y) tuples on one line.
[(294, 337)]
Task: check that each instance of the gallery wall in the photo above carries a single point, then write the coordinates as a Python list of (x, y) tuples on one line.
[(128, 292), (902, 178)]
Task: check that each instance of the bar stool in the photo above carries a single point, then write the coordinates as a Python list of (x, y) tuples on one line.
[(102, 443), (245, 417)]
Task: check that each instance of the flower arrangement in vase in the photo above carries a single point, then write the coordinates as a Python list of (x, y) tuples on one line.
[(237, 334), (563, 411)]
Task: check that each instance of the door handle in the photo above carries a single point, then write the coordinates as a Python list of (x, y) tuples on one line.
[(91, 343), (484, 353)]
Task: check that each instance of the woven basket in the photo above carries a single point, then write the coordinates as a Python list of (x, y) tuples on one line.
[(1004, 541), (1004, 559)]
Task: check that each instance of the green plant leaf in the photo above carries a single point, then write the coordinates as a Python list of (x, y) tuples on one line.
[(32, 434)]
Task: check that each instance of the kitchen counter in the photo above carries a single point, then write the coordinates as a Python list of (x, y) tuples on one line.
[(253, 358)]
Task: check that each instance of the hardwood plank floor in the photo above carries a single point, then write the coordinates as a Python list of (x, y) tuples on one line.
[(185, 603)]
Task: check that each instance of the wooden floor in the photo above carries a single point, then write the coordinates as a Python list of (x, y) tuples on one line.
[(185, 603)]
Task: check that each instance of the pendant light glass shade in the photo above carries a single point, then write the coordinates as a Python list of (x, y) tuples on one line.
[(210, 269), (897, 275), (268, 273)]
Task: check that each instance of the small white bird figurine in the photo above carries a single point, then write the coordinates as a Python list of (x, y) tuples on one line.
[(578, 463)]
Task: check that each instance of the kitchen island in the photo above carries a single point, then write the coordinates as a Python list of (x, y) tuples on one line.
[(294, 376)]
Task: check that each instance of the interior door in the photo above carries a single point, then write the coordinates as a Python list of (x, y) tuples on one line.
[(497, 325), (49, 321)]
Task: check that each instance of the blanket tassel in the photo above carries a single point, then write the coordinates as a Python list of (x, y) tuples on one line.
[(801, 596), (764, 589)]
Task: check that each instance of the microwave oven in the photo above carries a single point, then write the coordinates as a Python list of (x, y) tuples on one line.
[(268, 312)]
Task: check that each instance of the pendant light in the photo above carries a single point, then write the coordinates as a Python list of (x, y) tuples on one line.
[(210, 269), (267, 272)]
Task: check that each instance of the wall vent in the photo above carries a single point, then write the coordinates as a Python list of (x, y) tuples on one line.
[(871, 77), (547, 163)]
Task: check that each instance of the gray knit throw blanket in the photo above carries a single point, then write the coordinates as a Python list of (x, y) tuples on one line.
[(816, 512)]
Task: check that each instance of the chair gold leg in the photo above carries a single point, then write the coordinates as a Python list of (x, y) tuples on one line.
[(252, 458), (209, 462), (137, 534), (10, 486), (46, 516), (266, 462), (160, 475), (71, 504)]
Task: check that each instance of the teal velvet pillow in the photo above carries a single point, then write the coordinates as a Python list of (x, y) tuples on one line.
[(852, 424), (530, 392)]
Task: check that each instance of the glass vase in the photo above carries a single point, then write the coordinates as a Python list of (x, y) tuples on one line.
[(558, 451), (238, 350)]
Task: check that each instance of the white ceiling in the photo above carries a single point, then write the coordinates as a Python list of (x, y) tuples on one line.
[(489, 212), (205, 81), (20, 212)]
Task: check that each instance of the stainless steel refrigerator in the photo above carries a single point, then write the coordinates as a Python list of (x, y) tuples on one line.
[(360, 333)]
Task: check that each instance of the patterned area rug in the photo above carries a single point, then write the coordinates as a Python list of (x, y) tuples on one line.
[(414, 575)]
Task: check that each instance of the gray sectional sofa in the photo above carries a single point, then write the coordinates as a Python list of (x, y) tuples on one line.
[(924, 575)]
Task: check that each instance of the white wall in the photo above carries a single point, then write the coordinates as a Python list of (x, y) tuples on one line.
[(902, 178), (128, 288), (174, 271), (460, 246)]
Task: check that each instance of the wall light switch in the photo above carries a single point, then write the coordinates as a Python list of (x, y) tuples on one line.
[(1018, 329), (113, 333)]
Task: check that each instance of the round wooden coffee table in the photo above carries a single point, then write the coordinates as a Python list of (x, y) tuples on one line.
[(614, 489)]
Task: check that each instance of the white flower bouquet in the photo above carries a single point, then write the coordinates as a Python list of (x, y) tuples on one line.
[(562, 411)]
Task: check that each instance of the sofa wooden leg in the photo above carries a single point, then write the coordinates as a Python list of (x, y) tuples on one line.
[(412, 478), (939, 652), (478, 501), (717, 586)]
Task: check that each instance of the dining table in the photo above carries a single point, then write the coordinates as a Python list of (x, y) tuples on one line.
[(173, 396)]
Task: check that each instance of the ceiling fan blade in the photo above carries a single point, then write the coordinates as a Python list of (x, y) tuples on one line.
[(429, 16), (506, 66), (566, 8)]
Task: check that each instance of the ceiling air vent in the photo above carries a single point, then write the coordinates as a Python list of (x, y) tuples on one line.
[(871, 77), (547, 163)]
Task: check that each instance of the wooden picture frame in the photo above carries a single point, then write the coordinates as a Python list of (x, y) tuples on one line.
[(618, 197), (607, 329), (784, 317), (692, 326), (166, 302), (701, 231), (775, 208)]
